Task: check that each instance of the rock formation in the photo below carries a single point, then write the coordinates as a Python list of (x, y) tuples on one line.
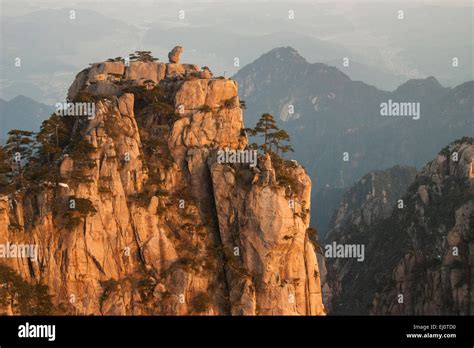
[(433, 274), (175, 54), (369, 201), (137, 216), (109, 78), (418, 251)]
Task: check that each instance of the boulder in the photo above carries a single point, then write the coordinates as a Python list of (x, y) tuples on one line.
[(175, 54), (142, 71), (114, 68)]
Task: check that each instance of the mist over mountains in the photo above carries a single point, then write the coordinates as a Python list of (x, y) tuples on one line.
[(176, 196), (383, 50), (333, 115), (336, 126)]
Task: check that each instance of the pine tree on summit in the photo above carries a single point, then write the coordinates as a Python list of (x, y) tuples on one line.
[(278, 138), (264, 127), (273, 137), (142, 56)]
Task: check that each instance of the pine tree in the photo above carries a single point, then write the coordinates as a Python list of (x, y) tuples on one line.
[(142, 56), (116, 59), (265, 126), (5, 172), (275, 140), (53, 136), (19, 149), (278, 140)]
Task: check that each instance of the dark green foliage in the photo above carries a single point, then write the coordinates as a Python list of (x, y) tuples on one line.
[(112, 128), (228, 104), (89, 97), (275, 140), (30, 299), (193, 75), (6, 186), (275, 143), (142, 56), (142, 199), (19, 140), (116, 59), (78, 211), (287, 180), (162, 107), (155, 99), (312, 233), (158, 146), (18, 151), (83, 206), (72, 220), (205, 108), (79, 176), (107, 178), (279, 141), (189, 264), (284, 172), (109, 286), (15, 227), (264, 127), (104, 189), (140, 282), (201, 302), (80, 152), (54, 135), (446, 150)]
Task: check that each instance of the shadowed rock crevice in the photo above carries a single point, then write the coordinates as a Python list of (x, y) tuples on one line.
[(158, 226)]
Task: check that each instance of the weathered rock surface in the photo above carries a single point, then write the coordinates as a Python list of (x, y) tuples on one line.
[(369, 201), (434, 276), (166, 217), (175, 54), (274, 268), (108, 78), (142, 71), (418, 253)]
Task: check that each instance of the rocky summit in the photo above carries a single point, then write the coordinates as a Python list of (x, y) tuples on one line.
[(132, 213)]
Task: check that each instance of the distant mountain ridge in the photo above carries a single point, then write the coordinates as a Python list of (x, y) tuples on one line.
[(22, 113), (334, 115)]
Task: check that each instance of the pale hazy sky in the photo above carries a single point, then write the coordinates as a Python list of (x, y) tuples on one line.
[(214, 32)]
